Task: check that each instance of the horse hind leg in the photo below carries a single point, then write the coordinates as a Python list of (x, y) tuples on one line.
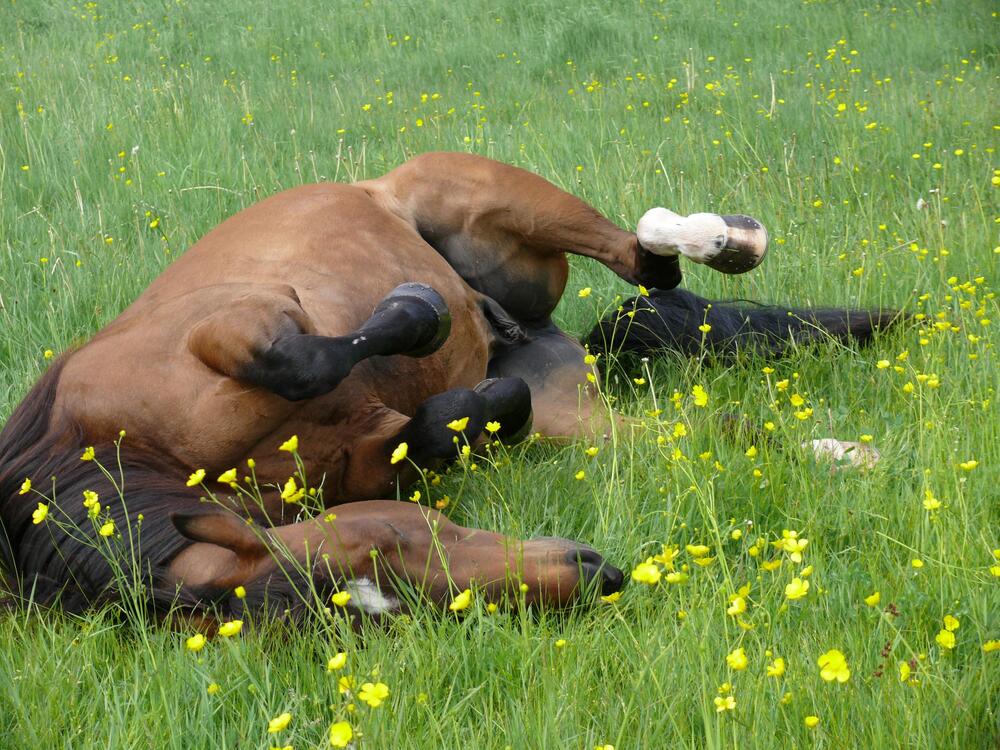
[(267, 339)]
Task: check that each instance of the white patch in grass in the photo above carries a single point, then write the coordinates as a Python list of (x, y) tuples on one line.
[(844, 454), (367, 596)]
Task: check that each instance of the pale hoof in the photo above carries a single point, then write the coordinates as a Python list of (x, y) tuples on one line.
[(746, 245), (843, 454)]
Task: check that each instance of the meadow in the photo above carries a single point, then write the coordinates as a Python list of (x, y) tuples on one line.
[(860, 133)]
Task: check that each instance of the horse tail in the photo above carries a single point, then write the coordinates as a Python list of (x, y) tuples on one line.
[(677, 320), (64, 557)]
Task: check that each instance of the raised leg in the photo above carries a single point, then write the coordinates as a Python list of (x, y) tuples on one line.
[(506, 230), (430, 440), (268, 340), (371, 548)]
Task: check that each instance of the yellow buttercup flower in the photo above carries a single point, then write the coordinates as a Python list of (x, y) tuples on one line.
[(88, 454), (213, 688), (737, 659), (833, 666), (873, 599), (240, 592), (776, 668), (737, 607), (231, 628), (196, 478), (458, 424), (904, 671), (612, 597), (291, 493), (25, 487), (945, 639), (279, 723), (930, 502), (40, 513), (341, 734), (291, 445), (460, 602), (950, 623), (373, 693), (107, 528), (646, 572), (492, 427), (195, 643), (696, 550), (337, 661), (792, 544), (227, 477), (399, 453), (700, 396), (797, 589), (811, 721), (727, 703), (341, 598), (585, 292), (667, 556)]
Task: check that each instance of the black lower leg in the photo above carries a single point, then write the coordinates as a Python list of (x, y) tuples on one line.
[(428, 435), (412, 320)]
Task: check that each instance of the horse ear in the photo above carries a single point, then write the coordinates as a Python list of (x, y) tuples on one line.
[(228, 530)]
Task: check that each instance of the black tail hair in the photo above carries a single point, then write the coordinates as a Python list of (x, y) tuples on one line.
[(64, 559), (670, 319)]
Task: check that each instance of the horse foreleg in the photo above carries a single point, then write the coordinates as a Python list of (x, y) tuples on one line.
[(268, 340), (441, 425)]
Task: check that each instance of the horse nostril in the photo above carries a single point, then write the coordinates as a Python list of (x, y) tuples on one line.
[(592, 566)]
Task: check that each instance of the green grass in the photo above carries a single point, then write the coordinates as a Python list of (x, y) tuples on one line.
[(118, 116)]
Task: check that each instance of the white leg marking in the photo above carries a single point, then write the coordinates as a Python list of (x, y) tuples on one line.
[(700, 237)]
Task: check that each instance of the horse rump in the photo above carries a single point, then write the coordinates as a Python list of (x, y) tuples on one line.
[(677, 320)]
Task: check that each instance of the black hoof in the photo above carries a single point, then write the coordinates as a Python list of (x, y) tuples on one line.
[(430, 314), (596, 571), (428, 434), (508, 401)]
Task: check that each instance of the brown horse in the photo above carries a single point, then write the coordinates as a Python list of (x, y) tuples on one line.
[(357, 317)]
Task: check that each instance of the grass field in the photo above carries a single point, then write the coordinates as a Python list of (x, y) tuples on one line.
[(127, 130)]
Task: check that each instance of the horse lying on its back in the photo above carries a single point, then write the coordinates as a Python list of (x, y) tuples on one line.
[(357, 317)]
